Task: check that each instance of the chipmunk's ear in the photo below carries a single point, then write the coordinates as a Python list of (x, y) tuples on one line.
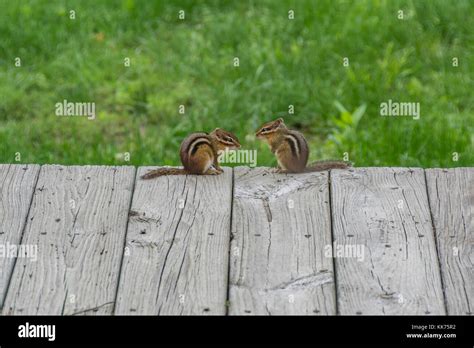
[(216, 130), (280, 121)]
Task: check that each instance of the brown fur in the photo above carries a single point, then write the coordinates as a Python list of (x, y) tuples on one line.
[(163, 171), (199, 154), (327, 164), (292, 156), (291, 149)]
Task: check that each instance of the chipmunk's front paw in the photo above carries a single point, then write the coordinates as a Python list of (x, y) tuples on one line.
[(212, 171), (217, 168)]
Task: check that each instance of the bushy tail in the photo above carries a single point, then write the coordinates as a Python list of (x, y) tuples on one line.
[(163, 171), (327, 164)]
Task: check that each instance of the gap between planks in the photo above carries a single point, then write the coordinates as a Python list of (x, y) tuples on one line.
[(437, 221), (77, 217)]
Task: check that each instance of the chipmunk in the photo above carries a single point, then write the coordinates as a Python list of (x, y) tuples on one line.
[(199, 153), (291, 149)]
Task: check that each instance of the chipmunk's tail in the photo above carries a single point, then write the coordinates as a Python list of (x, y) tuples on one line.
[(163, 171), (327, 164)]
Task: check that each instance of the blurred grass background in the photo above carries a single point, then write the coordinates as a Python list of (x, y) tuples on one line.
[(190, 62)]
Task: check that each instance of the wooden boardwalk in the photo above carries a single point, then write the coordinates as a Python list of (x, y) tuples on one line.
[(98, 240)]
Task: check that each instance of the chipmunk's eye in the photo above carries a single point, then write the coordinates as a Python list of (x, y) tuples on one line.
[(265, 129), (229, 139)]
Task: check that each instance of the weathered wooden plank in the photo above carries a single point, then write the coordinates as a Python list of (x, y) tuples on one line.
[(281, 227), (178, 244), (17, 183), (78, 221), (451, 195), (384, 213)]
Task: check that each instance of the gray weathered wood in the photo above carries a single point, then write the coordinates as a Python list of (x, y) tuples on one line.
[(17, 183), (451, 195), (176, 259), (77, 220), (385, 210), (280, 227), (177, 246)]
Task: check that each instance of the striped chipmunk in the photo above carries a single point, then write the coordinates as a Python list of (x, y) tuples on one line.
[(199, 154), (291, 149)]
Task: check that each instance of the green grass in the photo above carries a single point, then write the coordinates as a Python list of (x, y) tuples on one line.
[(282, 62)]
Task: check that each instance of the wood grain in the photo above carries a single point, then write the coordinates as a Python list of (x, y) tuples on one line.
[(280, 227), (77, 220), (17, 183), (177, 246), (402, 238), (385, 210), (451, 195)]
